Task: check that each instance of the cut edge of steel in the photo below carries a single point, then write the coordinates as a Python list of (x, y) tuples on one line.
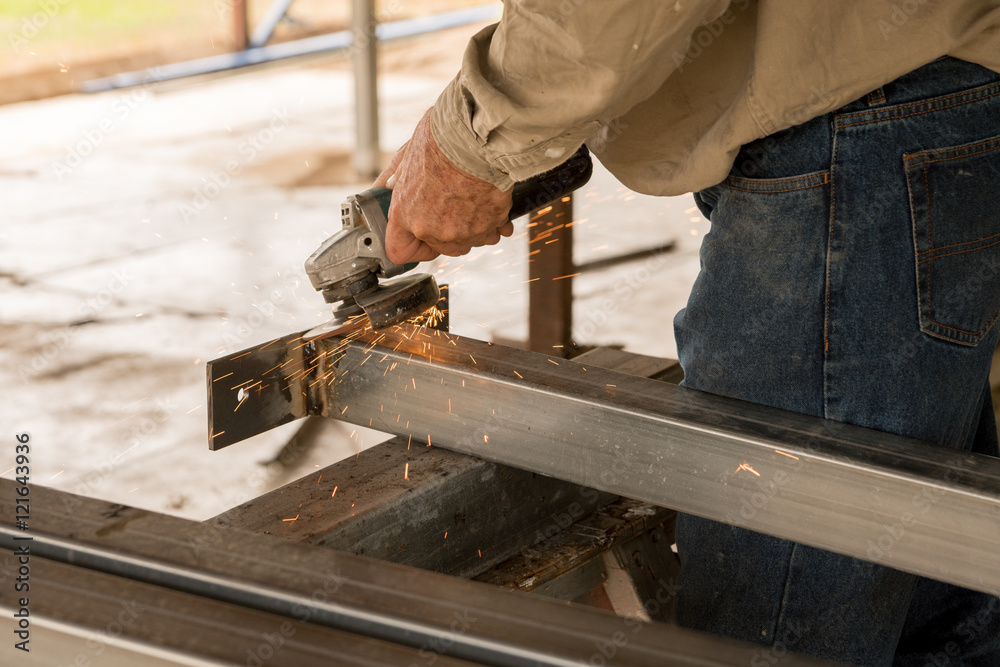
[(896, 501)]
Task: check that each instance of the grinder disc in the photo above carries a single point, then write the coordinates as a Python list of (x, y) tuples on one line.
[(390, 303), (396, 301)]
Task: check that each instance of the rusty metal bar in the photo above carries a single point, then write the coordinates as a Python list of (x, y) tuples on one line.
[(551, 272), (241, 38)]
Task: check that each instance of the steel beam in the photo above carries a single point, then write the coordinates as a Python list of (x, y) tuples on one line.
[(262, 33), (433, 613), (550, 275), (334, 41), (897, 501), (419, 506), (83, 617), (426, 507)]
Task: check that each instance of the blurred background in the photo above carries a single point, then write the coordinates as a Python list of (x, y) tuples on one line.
[(148, 229), (66, 42)]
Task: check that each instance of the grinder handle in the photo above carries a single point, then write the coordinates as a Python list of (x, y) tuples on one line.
[(545, 188), (529, 195)]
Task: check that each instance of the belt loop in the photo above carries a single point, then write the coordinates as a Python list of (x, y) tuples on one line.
[(876, 97)]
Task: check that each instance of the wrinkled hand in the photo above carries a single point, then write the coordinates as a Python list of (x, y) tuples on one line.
[(437, 208)]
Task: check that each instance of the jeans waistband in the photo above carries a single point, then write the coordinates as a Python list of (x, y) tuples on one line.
[(939, 77)]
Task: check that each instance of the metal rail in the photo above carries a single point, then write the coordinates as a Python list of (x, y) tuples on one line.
[(335, 41), (897, 501), (436, 614), (84, 617)]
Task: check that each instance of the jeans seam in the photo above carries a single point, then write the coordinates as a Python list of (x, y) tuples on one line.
[(986, 327), (958, 252), (829, 251), (932, 326), (784, 593), (764, 192), (991, 140), (887, 114), (813, 180)]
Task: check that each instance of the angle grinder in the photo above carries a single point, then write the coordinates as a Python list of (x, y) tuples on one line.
[(347, 268)]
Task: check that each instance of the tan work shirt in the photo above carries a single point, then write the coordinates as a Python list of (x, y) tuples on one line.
[(666, 92)]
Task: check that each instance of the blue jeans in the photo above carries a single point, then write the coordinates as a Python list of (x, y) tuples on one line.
[(852, 272)]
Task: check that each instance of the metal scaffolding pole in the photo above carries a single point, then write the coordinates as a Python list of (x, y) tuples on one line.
[(903, 503), (367, 159), (240, 29)]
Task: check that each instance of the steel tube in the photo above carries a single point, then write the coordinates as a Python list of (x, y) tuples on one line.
[(550, 272), (893, 500), (262, 33), (335, 41), (240, 39), (364, 59), (433, 613)]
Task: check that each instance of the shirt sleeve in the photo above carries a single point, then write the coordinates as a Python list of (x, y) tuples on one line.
[(552, 75)]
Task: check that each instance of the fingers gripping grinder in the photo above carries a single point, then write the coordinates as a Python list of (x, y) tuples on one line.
[(347, 268)]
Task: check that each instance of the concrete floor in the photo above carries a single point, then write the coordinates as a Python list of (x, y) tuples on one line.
[(147, 231)]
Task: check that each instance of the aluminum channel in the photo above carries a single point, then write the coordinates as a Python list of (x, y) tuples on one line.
[(897, 501)]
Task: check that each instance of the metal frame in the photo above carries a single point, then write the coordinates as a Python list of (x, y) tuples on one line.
[(901, 502), (433, 613), (336, 41)]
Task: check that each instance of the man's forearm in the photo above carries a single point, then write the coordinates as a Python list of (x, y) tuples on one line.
[(551, 75)]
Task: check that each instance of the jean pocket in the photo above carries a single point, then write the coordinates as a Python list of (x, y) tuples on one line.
[(956, 238), (777, 185)]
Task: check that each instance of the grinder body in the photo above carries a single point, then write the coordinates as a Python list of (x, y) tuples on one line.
[(348, 266)]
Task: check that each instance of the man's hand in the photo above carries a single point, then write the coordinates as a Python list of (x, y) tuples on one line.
[(437, 208)]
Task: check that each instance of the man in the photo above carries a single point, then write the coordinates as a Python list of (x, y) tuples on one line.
[(848, 157)]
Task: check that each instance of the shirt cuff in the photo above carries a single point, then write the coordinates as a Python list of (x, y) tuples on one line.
[(451, 125), (505, 156)]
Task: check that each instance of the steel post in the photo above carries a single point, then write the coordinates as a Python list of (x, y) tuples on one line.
[(367, 158), (550, 272)]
